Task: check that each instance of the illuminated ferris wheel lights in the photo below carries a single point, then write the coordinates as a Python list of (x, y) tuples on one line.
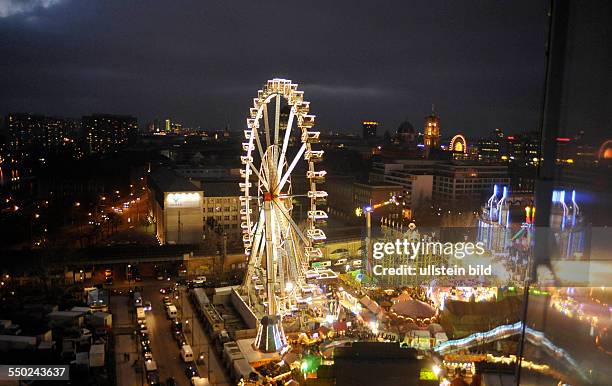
[(317, 176), (246, 146), (306, 121), (316, 234), (313, 252), (289, 286), (314, 155), (311, 136), (317, 215)]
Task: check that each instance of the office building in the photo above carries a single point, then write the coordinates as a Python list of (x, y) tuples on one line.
[(39, 135), (443, 182), (221, 209), (176, 206), (369, 129), (348, 195)]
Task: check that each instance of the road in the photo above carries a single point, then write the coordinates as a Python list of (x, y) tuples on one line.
[(200, 343), (165, 348)]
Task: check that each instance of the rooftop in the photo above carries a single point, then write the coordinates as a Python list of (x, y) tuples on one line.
[(167, 181)]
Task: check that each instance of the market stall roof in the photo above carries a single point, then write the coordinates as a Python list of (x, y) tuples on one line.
[(413, 308)]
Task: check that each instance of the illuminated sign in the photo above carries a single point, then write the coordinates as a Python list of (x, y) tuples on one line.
[(183, 200)]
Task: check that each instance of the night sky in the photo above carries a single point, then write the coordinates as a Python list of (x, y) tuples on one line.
[(200, 62)]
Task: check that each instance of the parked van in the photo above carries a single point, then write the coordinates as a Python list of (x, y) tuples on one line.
[(140, 314), (172, 312), (187, 353)]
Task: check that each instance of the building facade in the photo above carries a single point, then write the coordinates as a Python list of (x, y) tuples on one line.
[(443, 182), (30, 134), (369, 129), (431, 132), (176, 206), (105, 133)]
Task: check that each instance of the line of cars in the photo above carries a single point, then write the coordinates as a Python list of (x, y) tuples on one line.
[(176, 329), (152, 373)]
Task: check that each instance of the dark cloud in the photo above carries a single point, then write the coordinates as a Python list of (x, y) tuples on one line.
[(481, 63), (19, 7)]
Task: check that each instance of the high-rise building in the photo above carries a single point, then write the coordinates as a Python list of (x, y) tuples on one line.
[(369, 129), (431, 137), (522, 149), (29, 134), (490, 148), (108, 133)]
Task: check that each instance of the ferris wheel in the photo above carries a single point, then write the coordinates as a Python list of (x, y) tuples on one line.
[(279, 137)]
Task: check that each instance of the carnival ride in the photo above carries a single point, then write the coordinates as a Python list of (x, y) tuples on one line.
[(505, 331), (278, 248)]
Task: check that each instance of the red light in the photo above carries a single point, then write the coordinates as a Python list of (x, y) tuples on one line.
[(511, 138), (563, 139)]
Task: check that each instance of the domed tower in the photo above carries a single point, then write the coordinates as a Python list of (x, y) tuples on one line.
[(431, 137), (406, 135)]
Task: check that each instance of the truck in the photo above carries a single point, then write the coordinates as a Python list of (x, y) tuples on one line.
[(172, 312), (140, 314), (102, 322), (199, 381), (187, 353)]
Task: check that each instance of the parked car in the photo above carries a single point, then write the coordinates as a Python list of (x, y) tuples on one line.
[(191, 371), (180, 340), (176, 327), (171, 382), (144, 339)]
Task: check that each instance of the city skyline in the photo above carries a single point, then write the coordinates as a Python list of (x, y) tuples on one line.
[(148, 67)]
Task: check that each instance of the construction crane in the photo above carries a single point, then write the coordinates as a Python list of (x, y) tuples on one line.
[(367, 211)]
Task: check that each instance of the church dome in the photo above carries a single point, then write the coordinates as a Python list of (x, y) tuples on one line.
[(405, 128)]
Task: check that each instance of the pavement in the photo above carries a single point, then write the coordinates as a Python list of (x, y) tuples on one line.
[(124, 343)]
